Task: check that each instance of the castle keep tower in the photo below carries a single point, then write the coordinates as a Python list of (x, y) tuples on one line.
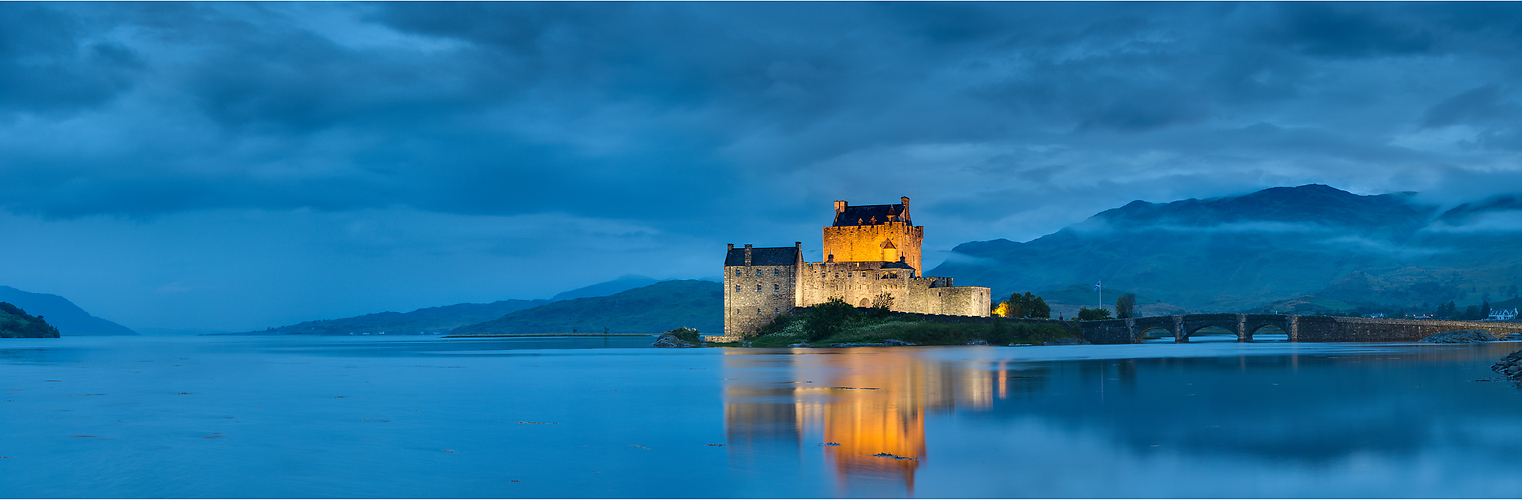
[(868, 250), (873, 233)]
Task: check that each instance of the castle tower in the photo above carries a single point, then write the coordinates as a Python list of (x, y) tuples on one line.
[(874, 233)]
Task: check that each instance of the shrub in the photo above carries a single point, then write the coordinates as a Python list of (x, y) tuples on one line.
[(1086, 314), (687, 334)]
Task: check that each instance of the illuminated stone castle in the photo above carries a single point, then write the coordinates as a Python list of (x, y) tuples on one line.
[(868, 250)]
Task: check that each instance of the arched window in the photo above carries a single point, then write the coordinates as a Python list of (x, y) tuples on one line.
[(758, 288)]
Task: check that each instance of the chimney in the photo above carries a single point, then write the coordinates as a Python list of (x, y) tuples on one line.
[(798, 256), (904, 216), (840, 206), (731, 246), (747, 254)]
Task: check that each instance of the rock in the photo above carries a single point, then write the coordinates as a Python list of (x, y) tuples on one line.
[(977, 342), (1513, 337), (857, 344), (1065, 342), (801, 344), (1510, 366), (896, 342), (1459, 337), (669, 340)]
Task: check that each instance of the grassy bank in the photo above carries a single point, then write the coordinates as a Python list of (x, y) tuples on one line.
[(826, 324)]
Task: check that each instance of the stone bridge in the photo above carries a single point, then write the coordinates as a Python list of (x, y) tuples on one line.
[(1298, 328)]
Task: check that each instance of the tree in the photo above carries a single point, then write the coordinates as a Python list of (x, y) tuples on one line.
[(1086, 314), (882, 303), (1027, 305), (827, 319), (1484, 310), (1125, 306), (1513, 291)]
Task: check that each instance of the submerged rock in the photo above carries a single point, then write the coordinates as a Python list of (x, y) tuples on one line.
[(1065, 342), (1513, 337), (896, 342), (977, 342), (1510, 366), (1459, 337), (669, 340), (801, 344)]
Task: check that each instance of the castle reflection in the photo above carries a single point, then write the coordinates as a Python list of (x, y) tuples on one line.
[(866, 407)]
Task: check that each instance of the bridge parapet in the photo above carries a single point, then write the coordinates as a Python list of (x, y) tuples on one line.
[(1298, 328)]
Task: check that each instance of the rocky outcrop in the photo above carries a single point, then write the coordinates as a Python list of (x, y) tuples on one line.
[(896, 342), (1510, 366), (977, 342), (1515, 337), (669, 340), (1065, 342), (801, 344), (1459, 337)]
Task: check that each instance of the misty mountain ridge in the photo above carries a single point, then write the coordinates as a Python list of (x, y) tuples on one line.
[(1244, 252), (651, 309), (623, 283), (62, 314)]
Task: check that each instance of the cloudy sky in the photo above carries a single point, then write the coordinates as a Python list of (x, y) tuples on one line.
[(238, 166)]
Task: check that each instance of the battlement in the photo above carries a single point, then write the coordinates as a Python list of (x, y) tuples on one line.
[(868, 250)]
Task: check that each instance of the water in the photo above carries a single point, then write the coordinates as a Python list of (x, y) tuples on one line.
[(277, 417)]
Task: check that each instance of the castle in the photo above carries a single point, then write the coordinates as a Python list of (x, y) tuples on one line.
[(868, 250)]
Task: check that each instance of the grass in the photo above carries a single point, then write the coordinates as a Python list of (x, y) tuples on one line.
[(864, 328)]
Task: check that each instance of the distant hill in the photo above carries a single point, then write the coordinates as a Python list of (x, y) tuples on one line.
[(1245, 252), (651, 309), (16, 323), (431, 320), (623, 283), (1066, 301), (62, 314)]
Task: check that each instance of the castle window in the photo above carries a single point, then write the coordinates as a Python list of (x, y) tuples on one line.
[(758, 310), (737, 288), (758, 288), (837, 275), (776, 272), (777, 310), (758, 272), (776, 287), (737, 272)]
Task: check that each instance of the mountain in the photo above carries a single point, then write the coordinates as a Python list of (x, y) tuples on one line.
[(651, 309), (623, 283), (16, 323), (1245, 252), (432, 320), (62, 314)]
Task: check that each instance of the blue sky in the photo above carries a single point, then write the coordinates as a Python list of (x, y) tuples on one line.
[(237, 166)]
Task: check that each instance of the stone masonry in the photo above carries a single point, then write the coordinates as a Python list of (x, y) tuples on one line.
[(868, 250)]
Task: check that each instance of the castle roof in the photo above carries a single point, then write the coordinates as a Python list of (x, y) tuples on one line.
[(767, 256), (869, 215)]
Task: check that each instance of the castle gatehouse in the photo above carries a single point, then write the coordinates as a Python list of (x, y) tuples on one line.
[(868, 250)]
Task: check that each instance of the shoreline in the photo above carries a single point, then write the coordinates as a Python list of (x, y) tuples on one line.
[(491, 335)]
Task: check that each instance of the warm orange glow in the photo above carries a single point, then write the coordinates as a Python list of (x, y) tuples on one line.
[(870, 403), (1003, 310)]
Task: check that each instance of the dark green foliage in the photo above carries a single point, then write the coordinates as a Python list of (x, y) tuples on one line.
[(828, 319), (1484, 310), (777, 324), (881, 304), (1086, 314), (1028, 305), (16, 323), (1125, 306), (687, 334)]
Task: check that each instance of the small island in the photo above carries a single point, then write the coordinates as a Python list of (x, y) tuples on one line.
[(16, 323)]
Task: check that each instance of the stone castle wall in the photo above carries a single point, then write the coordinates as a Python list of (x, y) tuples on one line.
[(753, 295), (865, 243), (784, 288)]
